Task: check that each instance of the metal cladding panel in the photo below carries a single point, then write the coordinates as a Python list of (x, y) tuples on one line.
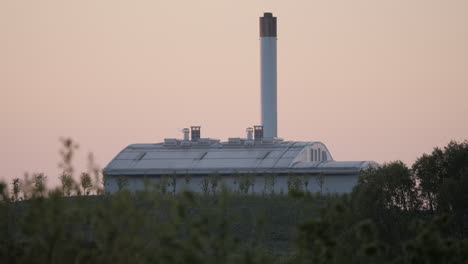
[(331, 165), (129, 155), (180, 154), (143, 147), (226, 163), (120, 164), (341, 164), (164, 164), (230, 154), (303, 143), (309, 164), (284, 163), (275, 153), (266, 163), (291, 153), (143, 159)]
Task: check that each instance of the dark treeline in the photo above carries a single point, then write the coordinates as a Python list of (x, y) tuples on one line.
[(396, 214)]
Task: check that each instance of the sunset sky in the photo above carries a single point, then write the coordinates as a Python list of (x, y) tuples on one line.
[(373, 80)]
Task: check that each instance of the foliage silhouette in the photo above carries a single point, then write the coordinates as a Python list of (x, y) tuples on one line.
[(394, 215)]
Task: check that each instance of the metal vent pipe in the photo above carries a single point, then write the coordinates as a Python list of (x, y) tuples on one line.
[(268, 74), (186, 132), (195, 132), (249, 131), (258, 133)]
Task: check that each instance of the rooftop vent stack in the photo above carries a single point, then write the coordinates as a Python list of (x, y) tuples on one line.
[(195, 132), (249, 131), (186, 132), (258, 133), (268, 74)]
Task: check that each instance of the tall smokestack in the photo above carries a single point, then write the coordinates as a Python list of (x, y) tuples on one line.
[(268, 74)]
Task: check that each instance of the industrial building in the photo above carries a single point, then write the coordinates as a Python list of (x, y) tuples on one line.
[(271, 163)]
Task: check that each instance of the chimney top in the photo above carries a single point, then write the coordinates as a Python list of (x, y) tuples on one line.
[(268, 25), (195, 132), (258, 133)]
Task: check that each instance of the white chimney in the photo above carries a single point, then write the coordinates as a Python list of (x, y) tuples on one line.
[(268, 74)]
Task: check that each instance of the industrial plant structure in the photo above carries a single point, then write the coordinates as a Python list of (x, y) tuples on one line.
[(261, 159)]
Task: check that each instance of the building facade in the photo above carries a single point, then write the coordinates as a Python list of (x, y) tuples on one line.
[(267, 165)]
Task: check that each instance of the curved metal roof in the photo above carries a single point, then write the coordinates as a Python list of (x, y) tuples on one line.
[(224, 158)]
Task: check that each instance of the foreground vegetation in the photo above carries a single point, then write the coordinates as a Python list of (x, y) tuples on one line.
[(395, 214)]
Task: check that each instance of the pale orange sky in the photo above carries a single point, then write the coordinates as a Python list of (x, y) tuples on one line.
[(373, 80)]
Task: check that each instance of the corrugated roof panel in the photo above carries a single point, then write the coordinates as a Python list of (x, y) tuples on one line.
[(341, 164), (283, 163), (266, 163), (164, 164), (330, 164), (120, 164), (230, 154), (308, 164), (276, 153), (139, 159), (303, 143), (226, 163), (128, 155), (292, 153), (180, 154)]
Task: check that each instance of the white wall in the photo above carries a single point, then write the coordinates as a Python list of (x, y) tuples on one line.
[(268, 86), (331, 183)]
